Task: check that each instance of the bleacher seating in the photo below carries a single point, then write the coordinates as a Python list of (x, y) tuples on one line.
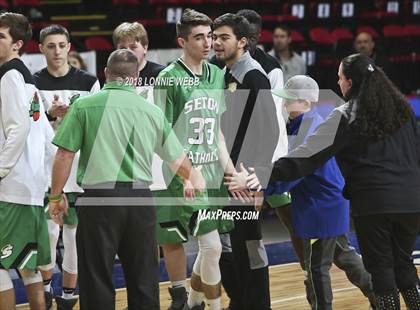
[(98, 43), (368, 29), (4, 4), (325, 28), (32, 47), (321, 36), (31, 3), (126, 2)]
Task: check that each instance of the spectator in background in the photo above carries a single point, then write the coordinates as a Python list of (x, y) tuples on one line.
[(291, 63), (76, 61), (365, 45)]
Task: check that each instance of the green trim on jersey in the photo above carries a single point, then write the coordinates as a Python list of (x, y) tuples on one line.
[(177, 222)]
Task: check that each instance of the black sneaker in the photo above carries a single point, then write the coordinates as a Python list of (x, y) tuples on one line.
[(65, 304), (179, 298), (48, 300), (198, 307)]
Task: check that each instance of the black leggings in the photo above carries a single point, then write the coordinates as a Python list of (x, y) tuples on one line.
[(386, 244)]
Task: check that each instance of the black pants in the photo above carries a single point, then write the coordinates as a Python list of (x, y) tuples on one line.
[(128, 231), (247, 275), (386, 244), (319, 255)]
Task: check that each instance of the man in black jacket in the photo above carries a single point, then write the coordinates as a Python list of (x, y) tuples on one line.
[(281, 203), (251, 132)]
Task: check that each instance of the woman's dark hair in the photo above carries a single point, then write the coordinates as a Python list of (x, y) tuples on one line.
[(381, 108)]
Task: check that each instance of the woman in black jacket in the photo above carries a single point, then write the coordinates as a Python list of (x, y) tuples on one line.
[(376, 144)]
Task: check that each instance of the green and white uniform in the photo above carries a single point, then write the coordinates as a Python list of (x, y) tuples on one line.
[(76, 83), (193, 105), (25, 139)]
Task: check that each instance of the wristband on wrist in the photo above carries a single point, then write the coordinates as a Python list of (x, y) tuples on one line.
[(55, 198)]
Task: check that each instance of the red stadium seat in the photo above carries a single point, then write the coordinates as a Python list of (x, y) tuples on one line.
[(344, 39), (369, 30), (375, 15), (238, 1), (175, 2), (155, 2), (158, 22), (4, 4), (342, 34), (98, 43), (393, 31), (297, 37), (126, 2), (412, 30), (42, 24), (17, 3), (321, 36), (278, 18), (32, 47), (266, 37)]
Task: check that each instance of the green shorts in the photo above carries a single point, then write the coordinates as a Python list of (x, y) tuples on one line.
[(24, 242), (71, 218), (278, 201), (175, 222)]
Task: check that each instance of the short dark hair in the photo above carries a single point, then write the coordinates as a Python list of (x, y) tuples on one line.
[(53, 29), (251, 16), (189, 19), (19, 27), (122, 63), (284, 28), (239, 24)]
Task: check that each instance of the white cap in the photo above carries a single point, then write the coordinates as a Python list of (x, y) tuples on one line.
[(299, 87)]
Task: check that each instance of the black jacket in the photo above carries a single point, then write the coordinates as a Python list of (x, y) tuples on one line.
[(250, 123)]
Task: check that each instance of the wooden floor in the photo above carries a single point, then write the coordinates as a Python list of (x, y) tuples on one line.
[(287, 291)]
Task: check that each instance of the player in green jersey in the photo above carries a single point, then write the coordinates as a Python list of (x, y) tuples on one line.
[(190, 92)]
